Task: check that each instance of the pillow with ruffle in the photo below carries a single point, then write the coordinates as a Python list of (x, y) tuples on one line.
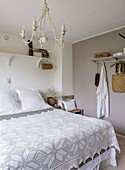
[(31, 100), (9, 102)]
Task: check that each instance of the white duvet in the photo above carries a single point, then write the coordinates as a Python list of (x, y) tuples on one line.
[(54, 140)]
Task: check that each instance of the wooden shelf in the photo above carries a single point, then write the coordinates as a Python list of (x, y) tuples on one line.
[(109, 59)]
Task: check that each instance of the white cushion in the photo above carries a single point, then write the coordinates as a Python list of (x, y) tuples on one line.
[(8, 102), (69, 105), (31, 100)]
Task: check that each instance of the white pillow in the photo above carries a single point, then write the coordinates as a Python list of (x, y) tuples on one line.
[(31, 100), (8, 102), (69, 105)]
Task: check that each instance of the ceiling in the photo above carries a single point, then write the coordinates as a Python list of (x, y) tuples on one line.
[(83, 18)]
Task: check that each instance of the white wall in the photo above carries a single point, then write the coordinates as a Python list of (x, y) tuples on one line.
[(14, 44), (67, 70), (58, 73), (24, 73), (64, 70)]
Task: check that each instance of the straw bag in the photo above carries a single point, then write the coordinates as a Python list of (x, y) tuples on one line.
[(118, 83)]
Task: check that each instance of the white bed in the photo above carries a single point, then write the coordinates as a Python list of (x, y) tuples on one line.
[(53, 139)]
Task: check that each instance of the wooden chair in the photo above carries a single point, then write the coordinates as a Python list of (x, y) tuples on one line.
[(68, 98)]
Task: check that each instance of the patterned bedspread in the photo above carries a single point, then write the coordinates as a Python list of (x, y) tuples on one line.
[(54, 140)]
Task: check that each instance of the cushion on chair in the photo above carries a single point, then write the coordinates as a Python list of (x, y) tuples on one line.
[(69, 105)]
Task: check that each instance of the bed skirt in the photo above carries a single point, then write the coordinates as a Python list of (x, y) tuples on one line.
[(101, 161)]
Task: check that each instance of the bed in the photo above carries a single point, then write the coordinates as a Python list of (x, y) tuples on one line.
[(53, 139)]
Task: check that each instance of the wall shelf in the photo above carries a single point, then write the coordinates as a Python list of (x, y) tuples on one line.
[(10, 57), (109, 59)]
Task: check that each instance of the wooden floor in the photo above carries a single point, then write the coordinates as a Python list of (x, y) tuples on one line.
[(120, 156)]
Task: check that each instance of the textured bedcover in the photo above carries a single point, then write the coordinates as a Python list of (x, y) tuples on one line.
[(54, 140)]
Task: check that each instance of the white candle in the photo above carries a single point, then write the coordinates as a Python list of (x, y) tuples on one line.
[(23, 32), (34, 23), (63, 27)]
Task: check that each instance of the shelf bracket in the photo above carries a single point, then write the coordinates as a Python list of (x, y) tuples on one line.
[(9, 59), (116, 58), (39, 61)]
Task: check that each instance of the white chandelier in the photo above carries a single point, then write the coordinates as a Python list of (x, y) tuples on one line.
[(39, 33)]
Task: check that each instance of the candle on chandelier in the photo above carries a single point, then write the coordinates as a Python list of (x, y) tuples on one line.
[(63, 27), (23, 32)]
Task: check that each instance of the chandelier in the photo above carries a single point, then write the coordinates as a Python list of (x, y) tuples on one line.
[(39, 33)]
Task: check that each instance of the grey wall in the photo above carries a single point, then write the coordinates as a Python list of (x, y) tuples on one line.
[(84, 75)]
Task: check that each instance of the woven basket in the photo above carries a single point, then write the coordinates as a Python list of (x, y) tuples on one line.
[(46, 66), (118, 83), (101, 55)]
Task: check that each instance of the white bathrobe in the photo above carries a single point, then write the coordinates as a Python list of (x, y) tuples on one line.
[(103, 95)]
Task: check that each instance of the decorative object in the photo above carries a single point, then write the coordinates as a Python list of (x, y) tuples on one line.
[(46, 66), (118, 54), (51, 101), (120, 68), (118, 83), (97, 78), (118, 79), (102, 54), (50, 92), (43, 53), (30, 45), (38, 30)]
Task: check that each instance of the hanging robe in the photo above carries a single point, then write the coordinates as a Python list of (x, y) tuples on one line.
[(103, 95)]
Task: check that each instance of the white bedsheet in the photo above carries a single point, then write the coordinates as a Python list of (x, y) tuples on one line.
[(54, 140)]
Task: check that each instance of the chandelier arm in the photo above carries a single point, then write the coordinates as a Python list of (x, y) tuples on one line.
[(35, 35), (44, 10), (40, 20), (53, 26), (44, 23), (26, 42), (42, 26), (54, 31)]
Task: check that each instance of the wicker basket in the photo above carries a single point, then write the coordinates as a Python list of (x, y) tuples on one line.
[(101, 55), (46, 66), (118, 83)]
